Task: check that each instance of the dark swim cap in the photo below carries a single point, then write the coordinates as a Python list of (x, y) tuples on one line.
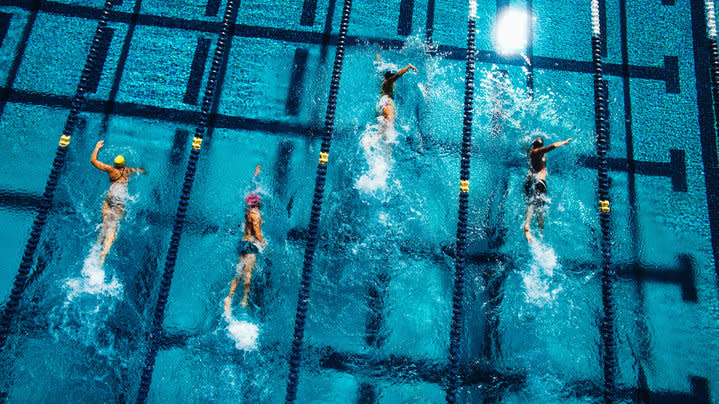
[(388, 74), (538, 142)]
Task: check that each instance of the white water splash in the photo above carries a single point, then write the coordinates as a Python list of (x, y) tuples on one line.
[(93, 279), (538, 279), (244, 333), (376, 142)]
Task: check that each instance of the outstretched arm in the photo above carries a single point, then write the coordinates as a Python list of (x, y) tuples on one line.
[(137, 170), (97, 163), (402, 72), (551, 146)]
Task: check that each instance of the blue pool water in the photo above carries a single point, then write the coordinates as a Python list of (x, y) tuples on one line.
[(380, 307)]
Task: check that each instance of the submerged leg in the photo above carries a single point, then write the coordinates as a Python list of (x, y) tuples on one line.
[(527, 220), (250, 261), (228, 299), (110, 225)]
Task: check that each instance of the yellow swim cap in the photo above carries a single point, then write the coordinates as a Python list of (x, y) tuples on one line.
[(119, 160)]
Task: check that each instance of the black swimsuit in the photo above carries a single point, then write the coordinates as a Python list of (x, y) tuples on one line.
[(535, 189)]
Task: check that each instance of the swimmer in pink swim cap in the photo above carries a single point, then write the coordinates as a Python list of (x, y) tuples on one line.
[(250, 245)]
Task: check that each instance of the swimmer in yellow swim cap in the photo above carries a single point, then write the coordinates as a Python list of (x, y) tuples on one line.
[(114, 205)]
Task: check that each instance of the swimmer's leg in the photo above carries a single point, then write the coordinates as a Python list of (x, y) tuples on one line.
[(110, 225), (250, 262), (527, 220), (228, 299), (540, 219)]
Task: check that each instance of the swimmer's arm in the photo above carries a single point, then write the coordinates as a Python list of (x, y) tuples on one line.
[(402, 72), (137, 170), (551, 146), (97, 163)]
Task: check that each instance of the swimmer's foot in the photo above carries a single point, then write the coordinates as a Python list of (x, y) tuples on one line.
[(228, 303), (244, 302)]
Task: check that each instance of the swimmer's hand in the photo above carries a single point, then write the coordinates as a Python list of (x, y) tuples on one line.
[(141, 171), (99, 145), (257, 170), (566, 141), (413, 68)]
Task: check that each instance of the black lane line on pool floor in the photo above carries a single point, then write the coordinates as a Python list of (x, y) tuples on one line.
[(669, 73), (297, 80), (309, 9), (212, 8), (34, 8), (197, 71), (105, 41), (5, 19), (121, 63), (675, 169), (708, 136), (429, 25), (643, 354), (404, 23)]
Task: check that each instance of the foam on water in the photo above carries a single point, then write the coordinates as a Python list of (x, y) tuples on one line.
[(539, 276), (243, 333), (93, 279), (376, 142)]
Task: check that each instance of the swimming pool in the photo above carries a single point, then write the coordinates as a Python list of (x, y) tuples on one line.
[(381, 301)]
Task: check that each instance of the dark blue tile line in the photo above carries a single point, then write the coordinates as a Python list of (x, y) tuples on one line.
[(282, 166), (367, 394), (674, 169), (706, 123), (327, 30), (406, 10), (309, 9), (299, 66), (429, 25), (666, 74), (699, 393), (643, 353), (121, 63), (179, 142), (34, 8), (404, 369), (197, 70), (212, 8), (5, 19), (376, 293), (683, 274), (219, 88), (668, 2), (151, 112), (102, 49), (493, 383), (671, 68)]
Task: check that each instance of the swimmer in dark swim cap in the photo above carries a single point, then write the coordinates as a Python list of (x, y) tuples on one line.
[(114, 205), (535, 186), (251, 244), (385, 106)]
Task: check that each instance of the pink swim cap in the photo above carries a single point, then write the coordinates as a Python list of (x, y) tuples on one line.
[(253, 199)]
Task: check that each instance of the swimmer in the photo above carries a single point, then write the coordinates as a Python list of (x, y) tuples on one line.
[(385, 106), (250, 245), (535, 187), (114, 205)]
